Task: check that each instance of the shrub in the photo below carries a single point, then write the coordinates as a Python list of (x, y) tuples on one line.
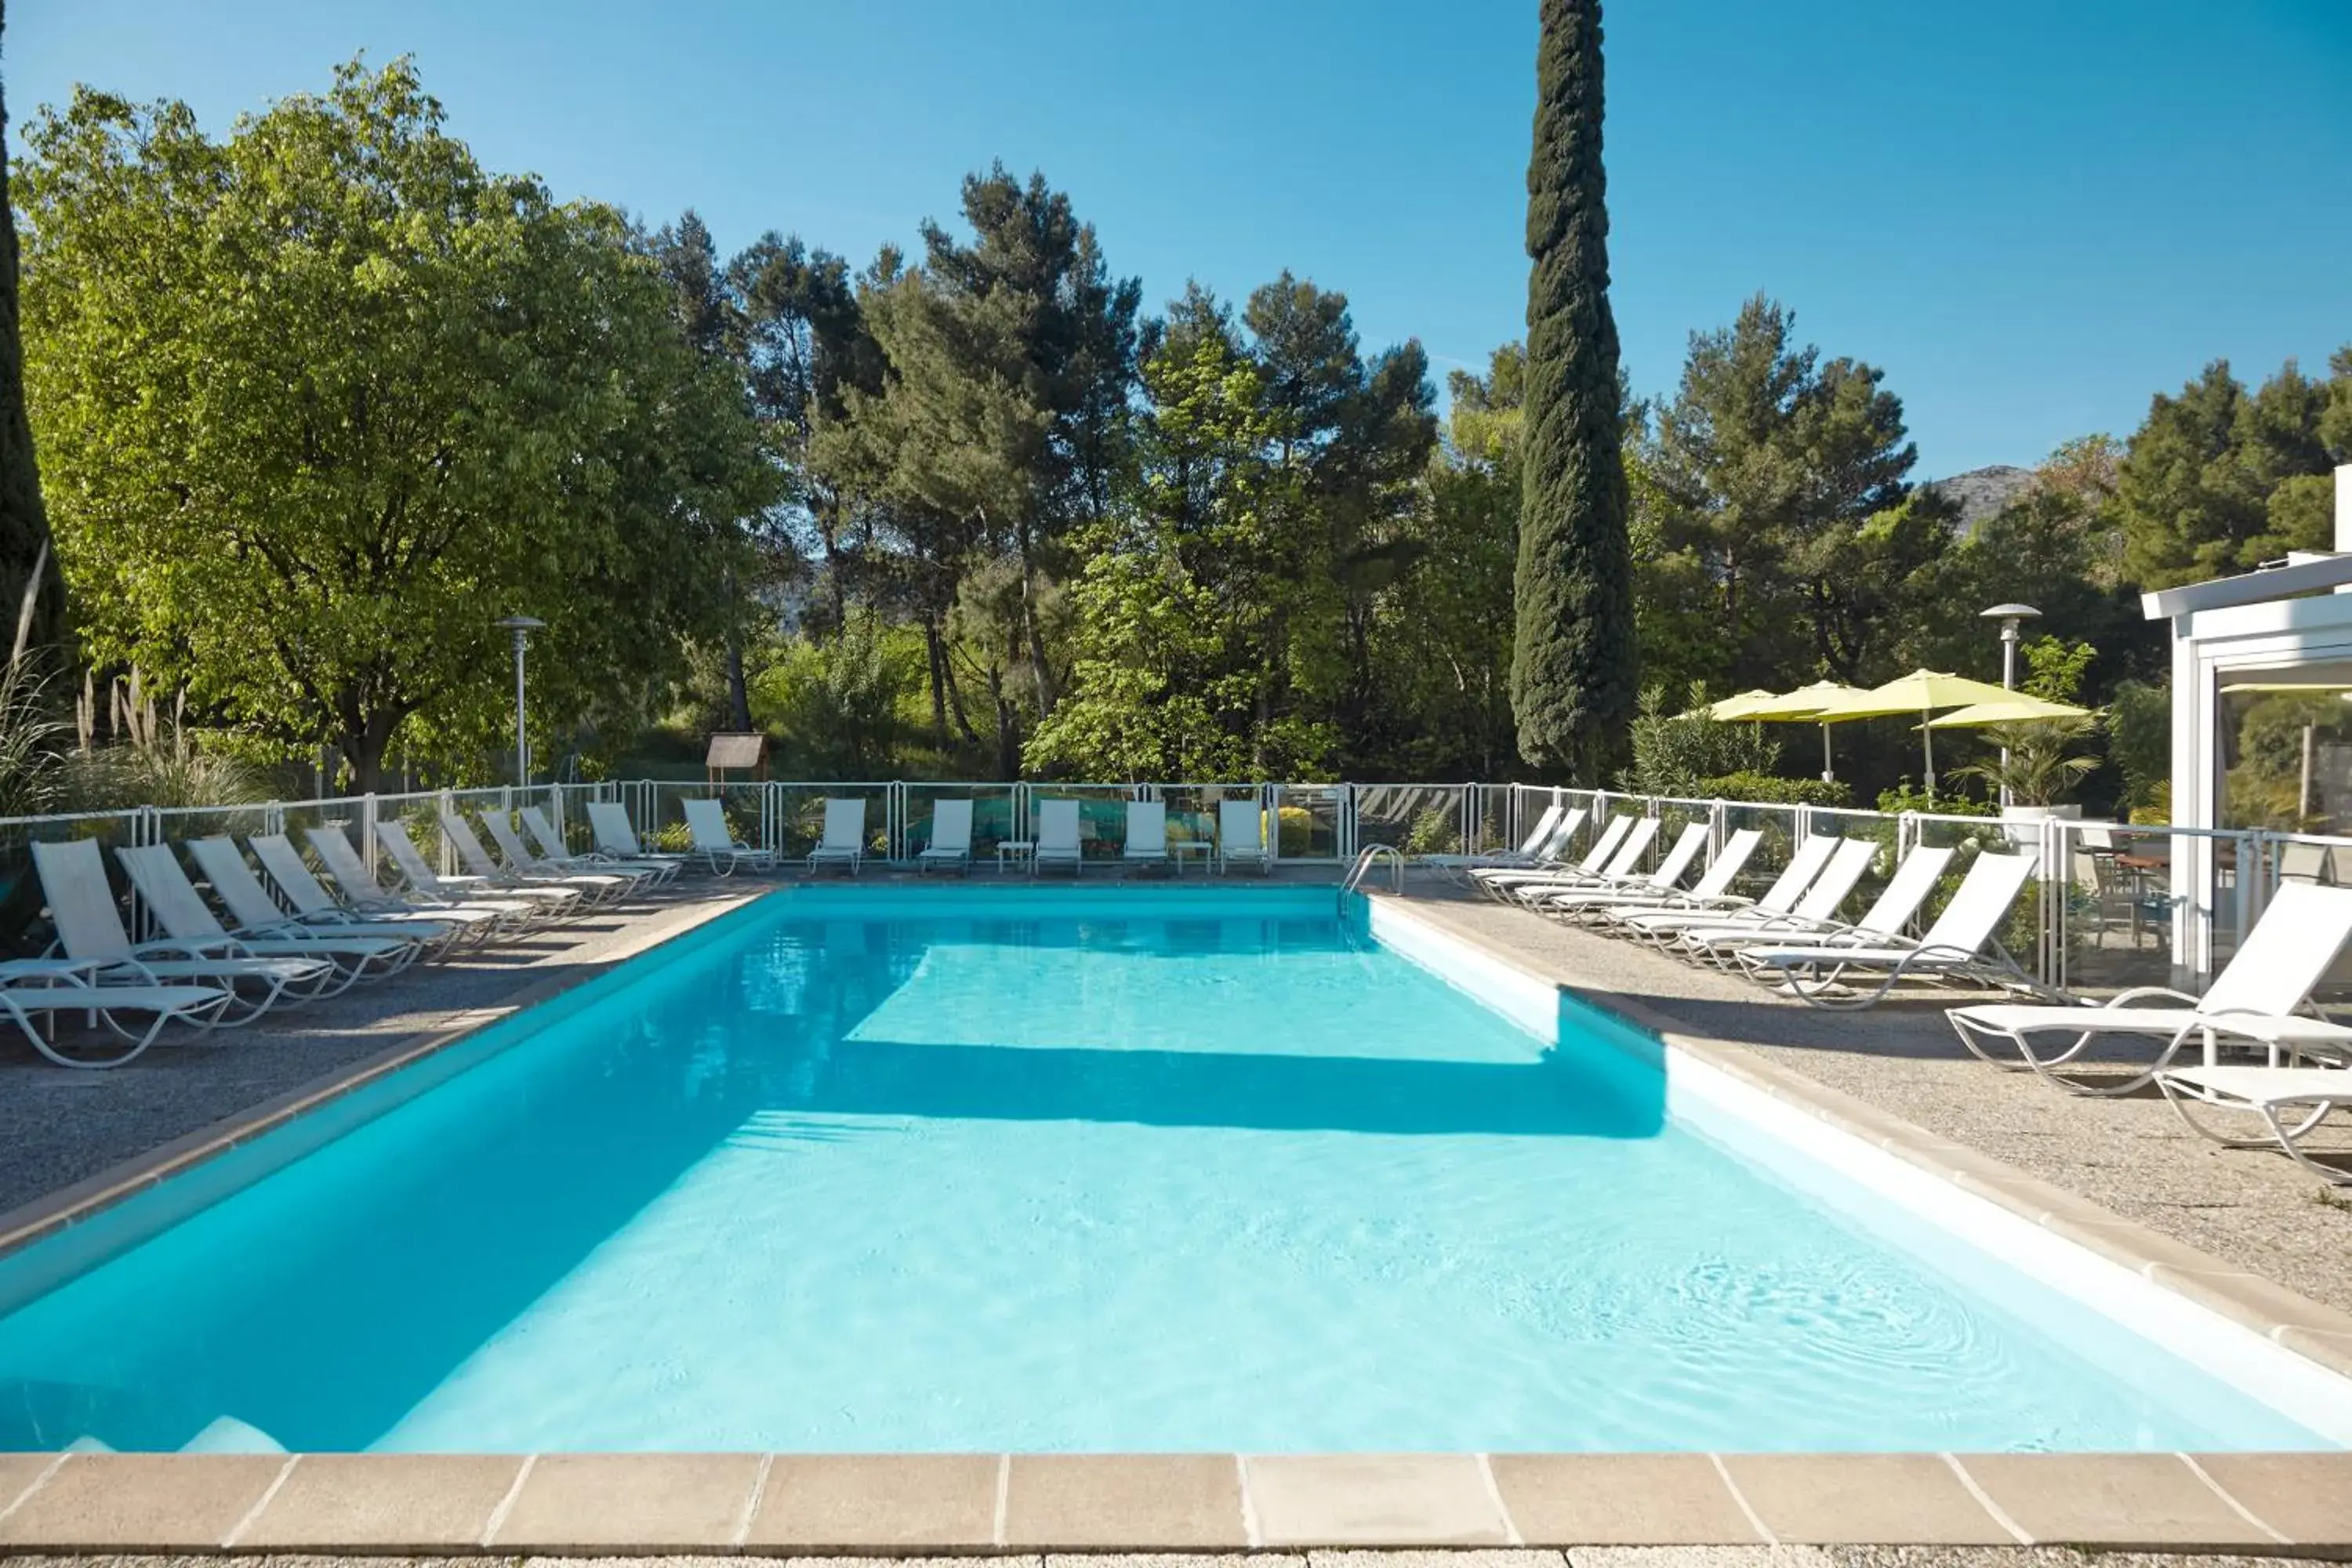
[(1297, 833), (1773, 790), (1437, 831), (1903, 798)]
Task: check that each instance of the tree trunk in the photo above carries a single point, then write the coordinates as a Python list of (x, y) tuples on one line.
[(363, 746), (29, 576), (937, 656)]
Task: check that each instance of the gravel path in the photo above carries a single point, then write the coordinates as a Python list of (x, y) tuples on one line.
[(2131, 1154)]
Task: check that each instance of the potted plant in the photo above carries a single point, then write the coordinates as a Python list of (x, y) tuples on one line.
[(2036, 766)]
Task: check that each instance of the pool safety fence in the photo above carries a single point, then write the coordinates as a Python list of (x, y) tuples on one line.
[(2113, 905)]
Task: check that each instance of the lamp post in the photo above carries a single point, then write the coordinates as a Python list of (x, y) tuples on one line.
[(523, 626), (2010, 617)]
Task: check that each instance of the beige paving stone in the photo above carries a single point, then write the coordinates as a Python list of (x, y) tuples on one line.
[(2119, 1499), (1889, 1499), (1032, 1560), (847, 1501), (384, 1502), (19, 1471), (2250, 1299), (2305, 1496), (1176, 1560), (1131, 1502), (1642, 1499), (1507, 1557), (157, 1502), (630, 1502), (1373, 1500), (2329, 1350)]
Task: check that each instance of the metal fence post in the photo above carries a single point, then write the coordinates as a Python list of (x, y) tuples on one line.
[(368, 808)]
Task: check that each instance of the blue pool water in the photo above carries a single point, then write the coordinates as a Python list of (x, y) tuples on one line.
[(1114, 1171)]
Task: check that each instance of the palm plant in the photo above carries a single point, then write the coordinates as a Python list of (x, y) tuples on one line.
[(2036, 766)]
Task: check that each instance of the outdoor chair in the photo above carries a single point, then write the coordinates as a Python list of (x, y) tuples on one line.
[(240, 890), (565, 893), (2266, 1092), (721, 852), (844, 843), (1954, 949), (606, 883), (608, 820), (1501, 883), (366, 895), (1057, 841), (429, 885), (1804, 865), (1713, 886), (90, 930), (163, 884), (1815, 919), (1147, 834), (2261, 997), (552, 852), (950, 844), (1621, 872), (1242, 836), (1649, 885)]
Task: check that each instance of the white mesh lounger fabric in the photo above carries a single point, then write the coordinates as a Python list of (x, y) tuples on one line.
[(567, 892), (1147, 834), (1648, 886), (1953, 947), (602, 884), (1057, 842), (155, 869), (950, 844), (844, 843), (552, 853), (706, 822), (257, 914), (1814, 918), (425, 883), (1803, 868), (1241, 836), (2257, 997), (362, 891), (609, 821)]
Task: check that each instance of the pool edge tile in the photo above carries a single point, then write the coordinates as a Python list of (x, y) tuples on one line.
[(881, 1502), (2305, 1496), (2154, 1502), (607, 1504), (1864, 1499), (139, 1503), (1621, 1499), (1127, 1502), (381, 1502), (1373, 1500)]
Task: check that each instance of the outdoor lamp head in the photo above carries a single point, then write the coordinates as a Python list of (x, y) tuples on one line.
[(2009, 616), (522, 625)]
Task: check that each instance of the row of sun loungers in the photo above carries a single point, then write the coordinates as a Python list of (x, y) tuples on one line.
[(1792, 938), (1058, 843), (257, 945)]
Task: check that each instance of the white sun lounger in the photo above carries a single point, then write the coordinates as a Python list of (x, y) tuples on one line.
[(609, 821), (1815, 916), (364, 893), (2266, 1092), (552, 852), (1241, 836), (256, 913), (1648, 886), (1660, 925), (1147, 834), (2258, 998), (1603, 847), (522, 862), (1057, 841), (844, 843), (706, 822), (1953, 949), (1713, 886), (1621, 871), (429, 885), (511, 880), (950, 844), (32, 989), (89, 929), (1541, 847), (154, 870)]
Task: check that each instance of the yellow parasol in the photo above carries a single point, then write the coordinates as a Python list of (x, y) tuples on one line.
[(1922, 691), (2017, 708), (1801, 706), (1738, 709)]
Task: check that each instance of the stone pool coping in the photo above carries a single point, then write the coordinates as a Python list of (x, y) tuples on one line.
[(992, 1504), (996, 1504)]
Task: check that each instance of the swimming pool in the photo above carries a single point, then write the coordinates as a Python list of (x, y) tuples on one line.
[(1070, 1170)]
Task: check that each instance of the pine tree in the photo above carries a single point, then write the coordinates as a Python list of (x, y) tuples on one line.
[(24, 525), (1572, 670)]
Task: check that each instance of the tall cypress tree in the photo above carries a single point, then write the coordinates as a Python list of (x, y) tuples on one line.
[(1572, 666), (24, 525)]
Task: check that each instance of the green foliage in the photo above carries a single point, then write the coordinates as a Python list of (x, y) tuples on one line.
[(320, 400), (2038, 765), (1903, 797), (2220, 479), (836, 709), (2139, 741), (1437, 831), (1573, 664), (24, 522), (1676, 754), (1772, 789)]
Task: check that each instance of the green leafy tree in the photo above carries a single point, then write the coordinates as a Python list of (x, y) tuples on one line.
[(25, 550), (2220, 479), (323, 400), (1573, 670)]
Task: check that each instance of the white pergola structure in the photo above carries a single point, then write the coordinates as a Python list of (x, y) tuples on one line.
[(2284, 626)]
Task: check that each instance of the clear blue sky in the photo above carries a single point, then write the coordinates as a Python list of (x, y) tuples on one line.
[(2031, 215)]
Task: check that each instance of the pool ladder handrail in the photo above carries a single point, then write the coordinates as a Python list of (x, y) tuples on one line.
[(1371, 855)]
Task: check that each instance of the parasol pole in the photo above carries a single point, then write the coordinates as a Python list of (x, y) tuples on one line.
[(1829, 770), (1927, 739)]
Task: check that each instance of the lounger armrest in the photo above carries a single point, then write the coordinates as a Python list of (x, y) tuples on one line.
[(195, 947), (2144, 993)]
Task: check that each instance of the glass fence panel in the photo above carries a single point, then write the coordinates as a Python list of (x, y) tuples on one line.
[(1776, 830), (1310, 820), (1417, 818), (1878, 828), (1102, 815), (1193, 816), (994, 815), (24, 930), (1490, 820)]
